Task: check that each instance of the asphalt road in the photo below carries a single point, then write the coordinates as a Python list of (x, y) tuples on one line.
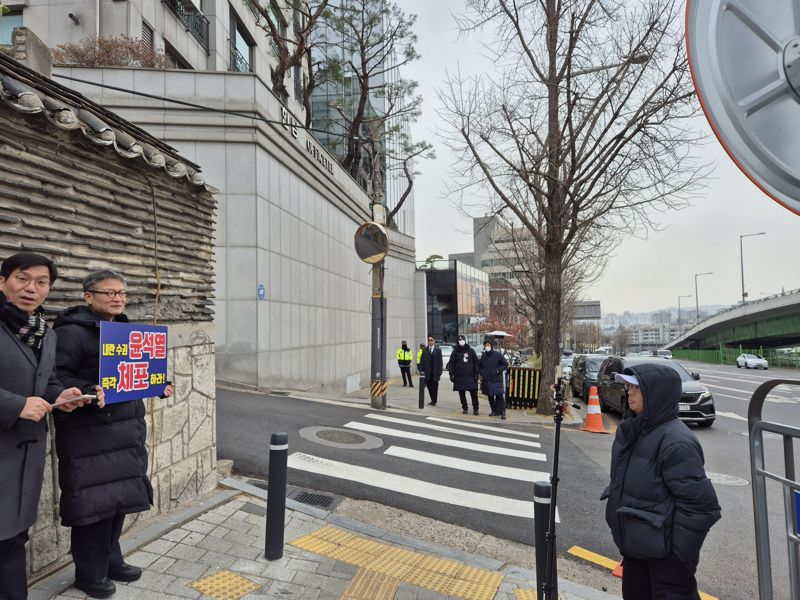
[(394, 473)]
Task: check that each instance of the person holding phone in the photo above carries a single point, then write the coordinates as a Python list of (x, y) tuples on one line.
[(28, 392), (102, 452)]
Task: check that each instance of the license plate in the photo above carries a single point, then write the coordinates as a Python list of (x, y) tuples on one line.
[(684, 407)]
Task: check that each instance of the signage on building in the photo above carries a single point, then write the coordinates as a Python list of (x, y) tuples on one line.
[(587, 310), (317, 153)]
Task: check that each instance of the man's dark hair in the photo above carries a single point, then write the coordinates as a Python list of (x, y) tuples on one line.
[(97, 276), (23, 260)]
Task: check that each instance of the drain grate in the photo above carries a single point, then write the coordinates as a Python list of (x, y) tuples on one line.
[(320, 500), (259, 484)]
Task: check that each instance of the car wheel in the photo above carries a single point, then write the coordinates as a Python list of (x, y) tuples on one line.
[(746, 365), (738, 366), (603, 405)]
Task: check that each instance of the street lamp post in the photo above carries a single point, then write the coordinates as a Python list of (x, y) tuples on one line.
[(741, 259), (679, 311), (697, 298)]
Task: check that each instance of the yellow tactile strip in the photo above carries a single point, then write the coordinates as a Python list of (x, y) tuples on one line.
[(525, 594), (371, 585), (224, 585), (397, 564)]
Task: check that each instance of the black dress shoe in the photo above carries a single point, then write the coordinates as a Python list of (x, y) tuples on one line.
[(475, 412), (96, 588), (124, 572), (464, 411), (503, 416), (431, 403)]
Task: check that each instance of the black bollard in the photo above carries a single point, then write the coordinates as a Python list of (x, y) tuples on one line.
[(421, 390), (276, 495), (542, 491)]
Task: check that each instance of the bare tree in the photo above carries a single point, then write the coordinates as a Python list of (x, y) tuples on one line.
[(377, 106), (293, 45), (582, 132), (622, 338)]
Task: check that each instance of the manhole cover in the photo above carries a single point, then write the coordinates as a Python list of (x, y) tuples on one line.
[(722, 479), (340, 437), (314, 499), (335, 437)]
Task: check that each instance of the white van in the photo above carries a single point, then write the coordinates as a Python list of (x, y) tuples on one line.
[(663, 354)]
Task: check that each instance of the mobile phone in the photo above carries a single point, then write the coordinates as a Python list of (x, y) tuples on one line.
[(90, 397)]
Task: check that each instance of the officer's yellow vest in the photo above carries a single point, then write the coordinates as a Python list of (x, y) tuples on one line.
[(403, 354)]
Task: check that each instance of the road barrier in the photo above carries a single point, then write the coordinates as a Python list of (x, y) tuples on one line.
[(276, 495), (594, 415), (790, 487), (522, 387)]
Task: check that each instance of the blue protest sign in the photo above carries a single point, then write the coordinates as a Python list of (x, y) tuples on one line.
[(133, 360)]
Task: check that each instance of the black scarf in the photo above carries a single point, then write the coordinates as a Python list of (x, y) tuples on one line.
[(29, 329)]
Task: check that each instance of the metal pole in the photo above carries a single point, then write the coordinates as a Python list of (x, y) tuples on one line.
[(542, 492), (679, 316), (696, 303), (276, 495), (378, 363), (741, 263)]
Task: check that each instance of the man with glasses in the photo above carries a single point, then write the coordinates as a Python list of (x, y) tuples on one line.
[(28, 389), (431, 367), (101, 450), (660, 505)]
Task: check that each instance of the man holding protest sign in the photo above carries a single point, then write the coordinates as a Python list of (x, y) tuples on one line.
[(28, 391), (102, 451)]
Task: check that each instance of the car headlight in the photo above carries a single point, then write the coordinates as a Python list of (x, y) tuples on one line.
[(706, 398)]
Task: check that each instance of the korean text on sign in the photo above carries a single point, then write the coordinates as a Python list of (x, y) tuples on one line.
[(133, 360)]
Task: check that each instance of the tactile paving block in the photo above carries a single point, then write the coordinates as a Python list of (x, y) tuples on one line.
[(440, 565), (388, 567), (522, 594), (370, 585), (481, 576), (469, 590), (315, 545), (438, 582), (333, 535), (224, 585), (351, 556)]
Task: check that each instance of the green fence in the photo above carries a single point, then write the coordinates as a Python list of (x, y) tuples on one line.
[(727, 356)]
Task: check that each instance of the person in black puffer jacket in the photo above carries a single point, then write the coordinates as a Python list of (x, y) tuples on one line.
[(660, 505), (102, 452), (463, 369), (492, 365)]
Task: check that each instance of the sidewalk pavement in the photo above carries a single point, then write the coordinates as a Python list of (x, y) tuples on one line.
[(448, 404), (215, 550)]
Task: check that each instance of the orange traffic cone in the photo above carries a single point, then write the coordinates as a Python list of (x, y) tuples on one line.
[(594, 418), (617, 572)]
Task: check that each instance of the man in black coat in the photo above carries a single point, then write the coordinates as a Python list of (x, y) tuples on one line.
[(431, 367), (28, 389), (463, 369), (660, 502), (102, 452), (492, 366)]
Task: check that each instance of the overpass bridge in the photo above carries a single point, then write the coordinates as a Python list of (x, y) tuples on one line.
[(770, 322)]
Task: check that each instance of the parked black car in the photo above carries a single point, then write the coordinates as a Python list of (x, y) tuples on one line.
[(584, 373), (696, 405)]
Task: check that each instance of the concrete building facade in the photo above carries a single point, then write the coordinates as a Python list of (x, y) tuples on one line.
[(292, 299)]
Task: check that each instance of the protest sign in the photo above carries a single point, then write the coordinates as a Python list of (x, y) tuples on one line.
[(133, 360)]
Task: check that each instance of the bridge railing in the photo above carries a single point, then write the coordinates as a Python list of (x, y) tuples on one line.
[(727, 356)]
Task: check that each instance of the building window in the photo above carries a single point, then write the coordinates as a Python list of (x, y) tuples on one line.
[(7, 26), (147, 35), (241, 46), (174, 58)]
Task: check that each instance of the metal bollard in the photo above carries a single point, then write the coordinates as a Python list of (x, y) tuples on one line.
[(422, 390), (276, 495), (542, 491)]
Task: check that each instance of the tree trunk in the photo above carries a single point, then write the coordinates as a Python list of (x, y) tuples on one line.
[(551, 330)]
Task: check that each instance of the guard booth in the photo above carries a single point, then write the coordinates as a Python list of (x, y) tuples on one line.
[(522, 387), (786, 476)]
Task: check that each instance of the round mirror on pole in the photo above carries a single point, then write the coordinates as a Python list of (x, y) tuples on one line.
[(744, 56), (372, 243)]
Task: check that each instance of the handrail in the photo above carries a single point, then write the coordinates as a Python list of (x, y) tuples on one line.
[(238, 62), (194, 21)]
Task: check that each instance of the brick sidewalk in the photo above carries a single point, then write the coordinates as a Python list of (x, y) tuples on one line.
[(217, 552)]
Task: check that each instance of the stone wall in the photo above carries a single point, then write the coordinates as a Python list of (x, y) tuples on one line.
[(181, 445)]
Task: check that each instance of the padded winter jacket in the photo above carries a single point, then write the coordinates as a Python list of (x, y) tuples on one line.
[(102, 452), (660, 501)]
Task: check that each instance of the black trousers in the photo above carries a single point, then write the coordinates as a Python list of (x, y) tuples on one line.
[(497, 404), (406, 373), (95, 548), (433, 389), (13, 571), (473, 394), (658, 579)]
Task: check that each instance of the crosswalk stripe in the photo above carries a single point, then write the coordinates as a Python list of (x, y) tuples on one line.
[(471, 466), (411, 487), (421, 437), (485, 427), (483, 436)]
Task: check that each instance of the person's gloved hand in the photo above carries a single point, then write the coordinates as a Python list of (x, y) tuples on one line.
[(452, 378)]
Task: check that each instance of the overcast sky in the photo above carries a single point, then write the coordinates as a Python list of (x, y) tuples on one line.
[(643, 274)]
